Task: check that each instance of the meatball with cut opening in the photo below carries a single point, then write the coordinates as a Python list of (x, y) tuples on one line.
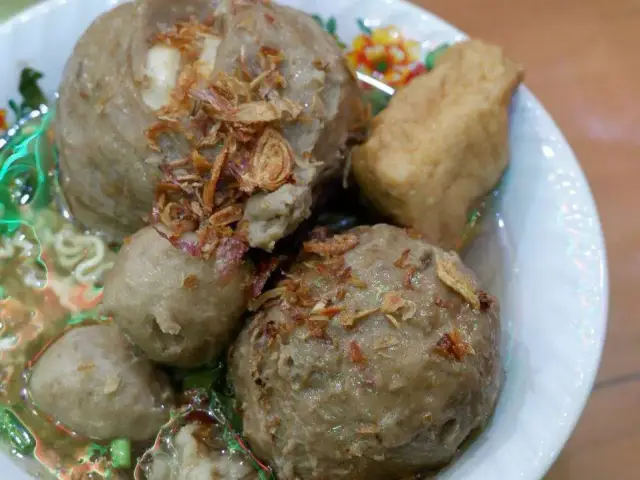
[(375, 358), (199, 453), (178, 309), (207, 116), (93, 382)]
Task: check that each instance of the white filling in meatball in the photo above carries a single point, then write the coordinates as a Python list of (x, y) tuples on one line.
[(163, 66)]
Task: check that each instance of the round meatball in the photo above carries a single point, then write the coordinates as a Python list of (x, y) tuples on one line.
[(111, 87), (142, 106), (199, 453), (100, 124), (374, 359), (93, 382), (180, 310), (316, 79)]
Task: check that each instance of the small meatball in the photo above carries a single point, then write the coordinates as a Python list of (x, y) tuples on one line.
[(93, 382), (383, 345), (199, 453), (178, 309), (442, 144)]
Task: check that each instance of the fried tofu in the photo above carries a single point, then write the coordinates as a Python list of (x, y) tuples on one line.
[(442, 144)]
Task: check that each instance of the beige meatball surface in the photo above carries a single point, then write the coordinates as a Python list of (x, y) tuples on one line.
[(317, 80), (100, 130), (178, 309), (111, 87), (91, 381), (128, 119), (373, 360), (442, 144)]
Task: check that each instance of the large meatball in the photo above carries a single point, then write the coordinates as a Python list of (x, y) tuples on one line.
[(156, 98), (316, 79), (374, 359), (100, 125), (443, 142), (178, 309), (199, 453), (91, 381), (275, 118), (112, 85)]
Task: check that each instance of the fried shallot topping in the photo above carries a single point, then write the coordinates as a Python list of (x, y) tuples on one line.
[(408, 278), (318, 327), (232, 125), (265, 270), (452, 345), (486, 301), (450, 275), (355, 353), (184, 36), (336, 245), (350, 320), (394, 303), (401, 262), (190, 282)]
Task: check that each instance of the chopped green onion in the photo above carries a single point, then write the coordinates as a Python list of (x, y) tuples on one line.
[(363, 27), (432, 57), (332, 24), (18, 436), (120, 450), (378, 100)]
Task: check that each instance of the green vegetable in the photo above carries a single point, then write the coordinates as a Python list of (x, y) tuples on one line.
[(363, 27), (13, 431), (32, 95), (432, 57), (332, 25), (120, 450), (206, 377), (318, 19), (198, 379), (378, 100), (30, 90), (223, 407)]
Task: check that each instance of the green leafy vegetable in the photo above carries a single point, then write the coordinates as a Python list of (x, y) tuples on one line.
[(431, 59), (32, 95), (378, 100), (363, 27), (332, 25)]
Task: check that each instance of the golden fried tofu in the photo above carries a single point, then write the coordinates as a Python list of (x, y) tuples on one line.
[(442, 144)]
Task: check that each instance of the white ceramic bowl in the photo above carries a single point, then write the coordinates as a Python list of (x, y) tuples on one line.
[(542, 251)]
